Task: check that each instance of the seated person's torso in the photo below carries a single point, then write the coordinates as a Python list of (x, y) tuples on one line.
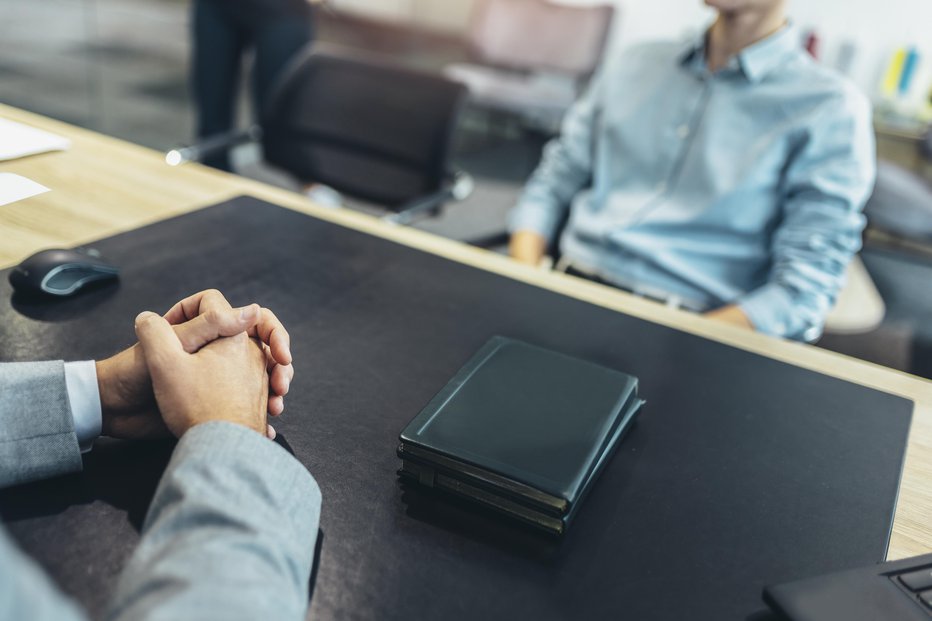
[(690, 168)]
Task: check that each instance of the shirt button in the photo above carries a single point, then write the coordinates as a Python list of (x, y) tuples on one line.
[(683, 131)]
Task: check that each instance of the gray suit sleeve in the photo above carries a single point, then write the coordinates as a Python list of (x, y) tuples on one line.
[(26, 592), (230, 533), (37, 441), (37, 438)]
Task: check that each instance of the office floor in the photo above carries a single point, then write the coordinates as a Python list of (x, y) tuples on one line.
[(120, 67)]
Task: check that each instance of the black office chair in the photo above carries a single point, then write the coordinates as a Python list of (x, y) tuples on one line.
[(901, 203), (373, 131), (925, 147)]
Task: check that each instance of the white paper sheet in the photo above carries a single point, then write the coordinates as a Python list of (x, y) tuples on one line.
[(15, 188), (18, 140)]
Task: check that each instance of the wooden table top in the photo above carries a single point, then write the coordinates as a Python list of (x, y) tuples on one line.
[(103, 186)]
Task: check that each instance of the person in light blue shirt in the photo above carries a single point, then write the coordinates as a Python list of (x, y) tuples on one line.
[(726, 176)]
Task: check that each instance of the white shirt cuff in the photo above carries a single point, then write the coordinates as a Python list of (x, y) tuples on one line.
[(84, 396)]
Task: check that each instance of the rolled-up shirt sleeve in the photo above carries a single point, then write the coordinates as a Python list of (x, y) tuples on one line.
[(565, 168), (825, 188)]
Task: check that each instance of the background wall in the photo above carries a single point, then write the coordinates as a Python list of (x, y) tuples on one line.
[(448, 15), (876, 27)]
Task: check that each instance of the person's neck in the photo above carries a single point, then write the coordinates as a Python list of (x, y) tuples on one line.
[(733, 31)]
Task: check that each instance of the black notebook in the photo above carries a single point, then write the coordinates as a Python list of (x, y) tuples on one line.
[(522, 430)]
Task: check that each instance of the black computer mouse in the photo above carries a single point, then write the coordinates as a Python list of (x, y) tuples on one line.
[(61, 272)]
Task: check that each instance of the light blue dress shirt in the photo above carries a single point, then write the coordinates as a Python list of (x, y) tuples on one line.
[(743, 186)]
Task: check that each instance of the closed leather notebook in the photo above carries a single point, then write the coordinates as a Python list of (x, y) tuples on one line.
[(522, 430)]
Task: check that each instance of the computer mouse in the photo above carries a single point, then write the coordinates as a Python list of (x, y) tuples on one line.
[(61, 272)]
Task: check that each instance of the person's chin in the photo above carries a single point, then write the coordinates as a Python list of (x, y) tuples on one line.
[(725, 5), (740, 6)]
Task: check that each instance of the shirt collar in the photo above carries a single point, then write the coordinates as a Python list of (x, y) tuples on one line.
[(756, 60)]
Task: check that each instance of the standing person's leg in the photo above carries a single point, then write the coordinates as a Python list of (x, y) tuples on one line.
[(215, 68), (285, 30)]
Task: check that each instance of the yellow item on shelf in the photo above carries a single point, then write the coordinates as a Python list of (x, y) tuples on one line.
[(891, 79)]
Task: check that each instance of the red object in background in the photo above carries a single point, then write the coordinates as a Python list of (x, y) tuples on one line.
[(812, 44)]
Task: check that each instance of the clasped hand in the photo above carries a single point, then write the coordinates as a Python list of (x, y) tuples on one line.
[(202, 361)]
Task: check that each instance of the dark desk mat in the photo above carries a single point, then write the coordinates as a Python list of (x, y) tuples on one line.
[(742, 471)]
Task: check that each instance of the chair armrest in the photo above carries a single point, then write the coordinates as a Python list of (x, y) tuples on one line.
[(459, 186), (212, 145), (492, 240), (859, 307)]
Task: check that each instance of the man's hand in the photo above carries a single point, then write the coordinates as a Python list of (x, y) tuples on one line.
[(128, 405), (267, 328), (527, 247), (731, 314), (225, 380)]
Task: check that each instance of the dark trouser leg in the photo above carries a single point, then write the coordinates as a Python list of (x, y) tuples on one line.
[(215, 69), (277, 40)]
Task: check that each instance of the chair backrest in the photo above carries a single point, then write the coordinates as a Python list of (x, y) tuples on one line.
[(534, 35), (371, 130), (925, 146)]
